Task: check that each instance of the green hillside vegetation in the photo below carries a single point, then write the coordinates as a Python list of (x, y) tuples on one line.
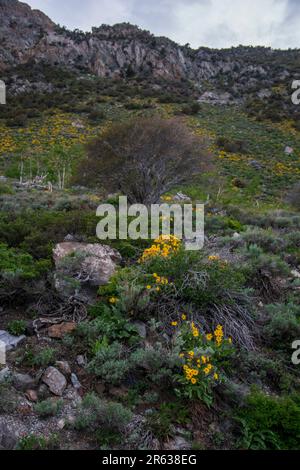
[(216, 362)]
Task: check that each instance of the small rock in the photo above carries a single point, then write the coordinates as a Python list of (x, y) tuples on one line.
[(5, 374), (69, 238), (178, 443), (141, 329), (11, 341), (75, 382), (81, 361), (118, 392), (296, 274), (61, 424), (23, 382), (24, 409), (64, 367), (256, 165), (31, 395), (288, 150), (72, 395), (61, 330), (55, 380), (71, 419), (236, 236), (43, 392), (182, 197)]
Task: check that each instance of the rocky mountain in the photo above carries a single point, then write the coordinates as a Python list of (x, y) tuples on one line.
[(124, 51)]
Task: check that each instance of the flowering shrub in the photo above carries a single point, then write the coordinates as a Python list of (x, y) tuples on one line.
[(202, 357), (164, 246)]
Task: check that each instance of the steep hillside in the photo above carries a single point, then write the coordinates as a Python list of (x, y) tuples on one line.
[(176, 350)]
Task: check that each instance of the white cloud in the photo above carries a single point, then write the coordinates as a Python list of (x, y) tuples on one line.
[(213, 23)]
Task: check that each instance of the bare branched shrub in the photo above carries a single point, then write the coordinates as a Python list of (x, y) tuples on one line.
[(143, 158)]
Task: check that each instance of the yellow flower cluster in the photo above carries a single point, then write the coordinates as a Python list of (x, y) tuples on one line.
[(214, 258), (195, 330), (161, 280), (163, 246), (166, 198), (197, 365), (281, 169), (113, 300), (219, 335), (60, 128)]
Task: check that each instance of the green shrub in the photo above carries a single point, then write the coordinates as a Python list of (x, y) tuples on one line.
[(265, 239), (211, 286), (157, 362), (18, 271), (45, 357), (108, 419), (48, 408), (270, 422), (107, 324), (234, 146), (191, 109), (283, 325), (109, 363), (35, 442), (259, 263), (17, 327), (5, 189)]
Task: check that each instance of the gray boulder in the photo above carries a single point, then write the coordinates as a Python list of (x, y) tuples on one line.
[(23, 382), (83, 265), (10, 341)]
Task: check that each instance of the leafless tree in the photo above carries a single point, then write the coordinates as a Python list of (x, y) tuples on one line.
[(144, 158)]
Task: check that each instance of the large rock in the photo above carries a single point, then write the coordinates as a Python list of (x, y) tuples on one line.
[(10, 341), (88, 264), (61, 330), (23, 382), (55, 380)]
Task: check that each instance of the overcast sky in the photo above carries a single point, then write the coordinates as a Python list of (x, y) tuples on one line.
[(213, 23)]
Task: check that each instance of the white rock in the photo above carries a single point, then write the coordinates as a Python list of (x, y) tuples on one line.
[(10, 341), (236, 236), (296, 274), (288, 150)]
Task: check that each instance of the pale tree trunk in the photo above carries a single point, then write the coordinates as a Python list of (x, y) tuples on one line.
[(21, 172), (63, 178), (59, 180)]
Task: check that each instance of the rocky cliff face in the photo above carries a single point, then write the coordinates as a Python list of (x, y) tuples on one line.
[(124, 50), (21, 30)]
